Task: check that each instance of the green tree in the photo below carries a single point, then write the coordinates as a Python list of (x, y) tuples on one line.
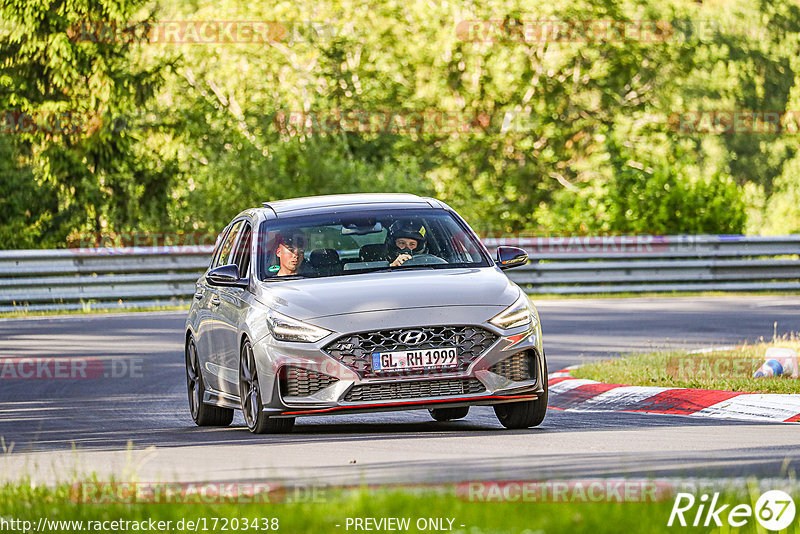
[(103, 179), (664, 199), (564, 135)]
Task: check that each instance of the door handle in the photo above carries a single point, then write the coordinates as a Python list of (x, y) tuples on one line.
[(198, 295), (215, 301)]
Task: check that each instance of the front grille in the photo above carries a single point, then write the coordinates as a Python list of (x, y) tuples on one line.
[(298, 382), (518, 367), (414, 389), (355, 350)]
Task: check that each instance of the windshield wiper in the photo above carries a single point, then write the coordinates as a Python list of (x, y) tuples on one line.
[(394, 269), (422, 266), (290, 277)]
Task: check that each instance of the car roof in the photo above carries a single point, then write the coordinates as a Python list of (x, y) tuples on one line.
[(352, 202)]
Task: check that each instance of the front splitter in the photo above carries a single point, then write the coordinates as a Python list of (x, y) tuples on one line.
[(409, 405)]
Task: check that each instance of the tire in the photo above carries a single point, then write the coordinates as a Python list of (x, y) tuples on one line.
[(203, 414), (528, 414), (250, 394), (449, 414)]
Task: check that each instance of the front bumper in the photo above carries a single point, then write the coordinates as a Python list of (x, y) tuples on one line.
[(302, 379)]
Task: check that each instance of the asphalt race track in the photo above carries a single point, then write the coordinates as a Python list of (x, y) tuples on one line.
[(134, 421)]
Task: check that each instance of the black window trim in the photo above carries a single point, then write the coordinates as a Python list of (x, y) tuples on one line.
[(264, 227), (227, 233), (220, 240), (248, 223)]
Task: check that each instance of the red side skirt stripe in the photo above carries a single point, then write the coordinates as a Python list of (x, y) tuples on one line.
[(383, 404)]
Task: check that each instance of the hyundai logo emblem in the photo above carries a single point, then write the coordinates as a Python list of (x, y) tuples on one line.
[(413, 337)]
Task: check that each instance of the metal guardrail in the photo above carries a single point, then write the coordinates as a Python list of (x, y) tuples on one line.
[(99, 277), (150, 276), (616, 264)]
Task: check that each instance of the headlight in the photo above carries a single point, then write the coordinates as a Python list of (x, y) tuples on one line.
[(518, 314), (284, 328)]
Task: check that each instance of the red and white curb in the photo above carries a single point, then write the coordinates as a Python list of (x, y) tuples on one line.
[(580, 395)]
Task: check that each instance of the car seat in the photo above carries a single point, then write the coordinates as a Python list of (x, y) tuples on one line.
[(325, 262), (373, 252)]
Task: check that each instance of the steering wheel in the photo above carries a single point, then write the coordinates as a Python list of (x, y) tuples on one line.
[(424, 259)]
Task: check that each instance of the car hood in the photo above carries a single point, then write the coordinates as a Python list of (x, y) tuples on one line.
[(322, 297)]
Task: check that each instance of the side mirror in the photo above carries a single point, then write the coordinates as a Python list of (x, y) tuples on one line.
[(226, 276), (508, 257)]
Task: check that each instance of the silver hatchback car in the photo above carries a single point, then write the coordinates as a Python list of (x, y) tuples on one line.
[(360, 303)]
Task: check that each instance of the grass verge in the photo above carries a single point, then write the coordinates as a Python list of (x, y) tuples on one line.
[(728, 370), (19, 501), (88, 311)]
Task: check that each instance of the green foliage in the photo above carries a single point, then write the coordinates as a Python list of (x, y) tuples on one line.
[(25, 205), (664, 199), (560, 136), (89, 177), (782, 213)]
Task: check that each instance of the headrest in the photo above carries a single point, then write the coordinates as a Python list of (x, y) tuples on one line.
[(323, 257), (373, 252)]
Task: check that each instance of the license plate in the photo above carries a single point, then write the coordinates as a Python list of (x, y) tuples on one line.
[(415, 359)]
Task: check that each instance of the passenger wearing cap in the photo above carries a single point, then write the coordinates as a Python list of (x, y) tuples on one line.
[(404, 240), (290, 253)]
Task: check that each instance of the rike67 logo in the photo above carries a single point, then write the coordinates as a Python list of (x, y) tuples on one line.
[(774, 510)]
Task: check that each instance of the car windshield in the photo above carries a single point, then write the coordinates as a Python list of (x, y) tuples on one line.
[(340, 244)]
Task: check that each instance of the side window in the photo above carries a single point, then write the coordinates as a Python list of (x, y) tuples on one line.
[(224, 256), (241, 257), (218, 245)]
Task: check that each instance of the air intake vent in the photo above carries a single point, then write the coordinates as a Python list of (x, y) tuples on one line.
[(414, 390), (518, 367), (298, 382)]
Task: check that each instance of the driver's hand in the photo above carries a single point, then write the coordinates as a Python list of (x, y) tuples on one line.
[(401, 259)]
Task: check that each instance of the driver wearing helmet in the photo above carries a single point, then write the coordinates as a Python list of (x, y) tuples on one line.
[(404, 240)]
